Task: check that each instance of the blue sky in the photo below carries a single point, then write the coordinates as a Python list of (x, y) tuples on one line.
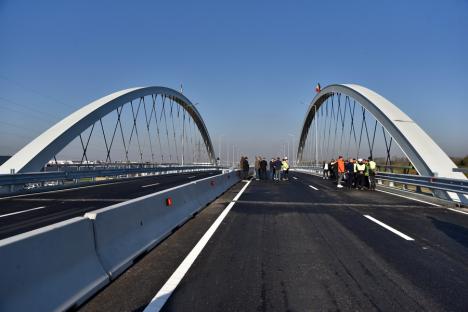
[(252, 65)]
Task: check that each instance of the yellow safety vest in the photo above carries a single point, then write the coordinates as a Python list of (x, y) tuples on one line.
[(372, 165), (285, 165), (361, 167)]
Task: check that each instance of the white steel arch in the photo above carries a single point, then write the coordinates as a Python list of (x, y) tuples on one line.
[(426, 156), (38, 152)]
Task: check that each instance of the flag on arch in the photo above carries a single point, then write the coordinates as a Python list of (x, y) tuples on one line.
[(318, 88)]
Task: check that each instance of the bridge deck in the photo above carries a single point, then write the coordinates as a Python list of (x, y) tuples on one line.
[(27, 212), (286, 246)]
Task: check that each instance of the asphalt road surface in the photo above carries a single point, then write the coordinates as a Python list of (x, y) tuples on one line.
[(23, 213), (304, 245)]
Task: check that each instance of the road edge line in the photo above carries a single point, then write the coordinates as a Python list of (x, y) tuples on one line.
[(158, 301)]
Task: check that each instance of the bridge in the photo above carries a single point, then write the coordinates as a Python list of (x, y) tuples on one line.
[(125, 205)]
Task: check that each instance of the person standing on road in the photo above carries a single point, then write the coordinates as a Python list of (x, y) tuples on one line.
[(361, 168), (340, 167), (245, 167), (257, 167), (349, 168), (277, 169), (372, 171), (285, 168), (325, 170), (263, 169), (332, 169), (272, 168)]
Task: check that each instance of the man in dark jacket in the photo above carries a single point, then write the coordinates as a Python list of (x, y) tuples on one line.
[(245, 167), (272, 168), (277, 165), (263, 168)]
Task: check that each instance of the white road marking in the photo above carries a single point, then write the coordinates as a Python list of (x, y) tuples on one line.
[(313, 187), (18, 212), (64, 190), (459, 211), (191, 177), (404, 236), (294, 178), (407, 197), (154, 184), (168, 288)]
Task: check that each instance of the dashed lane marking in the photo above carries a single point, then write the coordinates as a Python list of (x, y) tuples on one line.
[(168, 288), (404, 236), (191, 177), (22, 211), (294, 178), (154, 184), (313, 187)]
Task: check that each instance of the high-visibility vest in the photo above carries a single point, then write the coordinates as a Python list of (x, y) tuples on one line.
[(372, 165), (355, 167), (285, 165), (361, 167)]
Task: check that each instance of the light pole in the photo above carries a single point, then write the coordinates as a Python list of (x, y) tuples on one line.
[(219, 150), (316, 134), (292, 148)]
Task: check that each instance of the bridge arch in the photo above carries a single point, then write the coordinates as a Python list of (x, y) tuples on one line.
[(33, 156), (425, 155)]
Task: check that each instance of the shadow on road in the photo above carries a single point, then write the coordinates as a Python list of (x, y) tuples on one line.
[(457, 232)]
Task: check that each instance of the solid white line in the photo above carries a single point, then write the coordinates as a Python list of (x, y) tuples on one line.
[(389, 228), (313, 187), (191, 177), (418, 200), (154, 184), (459, 211), (168, 288), (294, 178), (18, 212)]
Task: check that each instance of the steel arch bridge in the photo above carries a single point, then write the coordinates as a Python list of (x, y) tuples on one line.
[(426, 156), (35, 155)]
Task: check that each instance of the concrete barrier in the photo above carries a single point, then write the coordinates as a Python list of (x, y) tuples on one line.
[(60, 266), (51, 268), (126, 230)]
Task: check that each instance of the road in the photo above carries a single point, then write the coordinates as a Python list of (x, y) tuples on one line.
[(23, 213), (304, 245)]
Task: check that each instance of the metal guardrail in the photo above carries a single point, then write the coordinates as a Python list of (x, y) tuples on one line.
[(38, 177), (443, 184), (434, 183)]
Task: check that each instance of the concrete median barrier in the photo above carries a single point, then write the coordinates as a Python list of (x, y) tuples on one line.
[(50, 269), (125, 231)]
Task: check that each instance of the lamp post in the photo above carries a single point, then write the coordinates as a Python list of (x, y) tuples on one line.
[(292, 148), (219, 150)]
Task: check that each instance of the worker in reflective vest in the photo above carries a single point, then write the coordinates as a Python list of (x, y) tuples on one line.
[(341, 171), (361, 169), (372, 171)]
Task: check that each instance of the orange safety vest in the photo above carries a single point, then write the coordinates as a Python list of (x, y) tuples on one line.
[(341, 165)]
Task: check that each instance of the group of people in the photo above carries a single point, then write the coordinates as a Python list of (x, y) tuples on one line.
[(277, 169), (358, 174)]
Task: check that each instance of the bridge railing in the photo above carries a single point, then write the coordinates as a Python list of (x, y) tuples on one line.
[(26, 181), (418, 183)]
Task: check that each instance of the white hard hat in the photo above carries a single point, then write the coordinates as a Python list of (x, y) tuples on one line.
[(359, 159), (285, 157)]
